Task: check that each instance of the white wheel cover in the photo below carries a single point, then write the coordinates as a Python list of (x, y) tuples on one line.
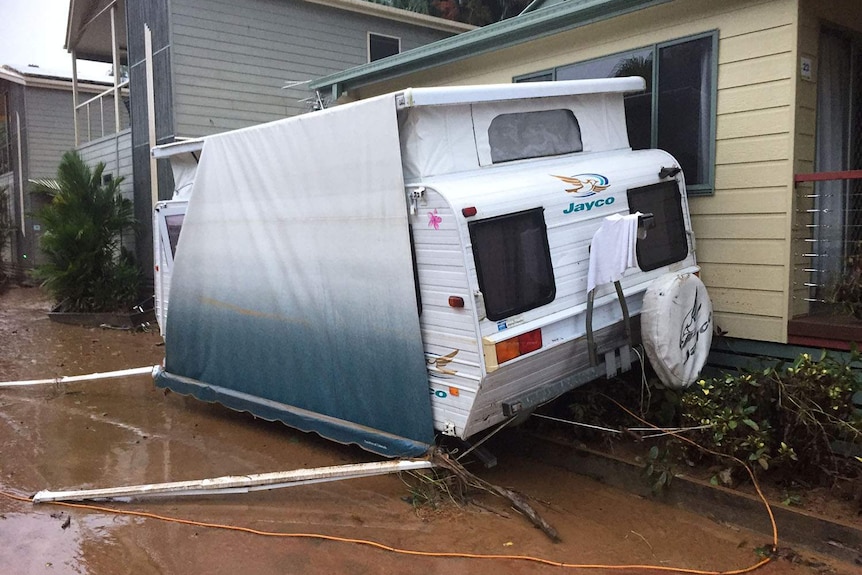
[(676, 327)]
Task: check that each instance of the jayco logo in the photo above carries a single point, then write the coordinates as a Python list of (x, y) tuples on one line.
[(584, 186), (587, 206)]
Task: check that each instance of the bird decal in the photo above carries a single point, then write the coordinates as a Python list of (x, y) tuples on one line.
[(441, 361), (584, 185)]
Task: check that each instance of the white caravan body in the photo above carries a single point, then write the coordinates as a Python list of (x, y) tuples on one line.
[(429, 279)]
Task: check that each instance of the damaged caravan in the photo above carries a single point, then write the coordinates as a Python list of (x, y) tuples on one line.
[(433, 261)]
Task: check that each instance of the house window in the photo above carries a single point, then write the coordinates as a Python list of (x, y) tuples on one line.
[(524, 135), (676, 112), (666, 242), (380, 46), (513, 263)]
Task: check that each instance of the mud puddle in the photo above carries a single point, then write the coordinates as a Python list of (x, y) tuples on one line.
[(126, 432)]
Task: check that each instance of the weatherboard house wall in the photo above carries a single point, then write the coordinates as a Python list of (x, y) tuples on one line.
[(749, 233), (41, 129), (221, 65)]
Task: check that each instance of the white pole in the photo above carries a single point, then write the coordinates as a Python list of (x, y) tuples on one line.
[(22, 210), (151, 113), (115, 56), (75, 96), (90, 377), (239, 483)]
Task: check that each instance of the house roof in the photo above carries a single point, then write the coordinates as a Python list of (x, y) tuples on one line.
[(88, 29), (36, 77), (88, 26), (529, 25)]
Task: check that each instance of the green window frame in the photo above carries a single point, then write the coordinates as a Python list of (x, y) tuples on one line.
[(656, 118)]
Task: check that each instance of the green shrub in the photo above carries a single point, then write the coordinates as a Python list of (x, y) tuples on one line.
[(784, 419), (86, 269)]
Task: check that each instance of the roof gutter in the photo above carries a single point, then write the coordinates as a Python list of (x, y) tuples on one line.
[(12, 75), (409, 17), (525, 27)]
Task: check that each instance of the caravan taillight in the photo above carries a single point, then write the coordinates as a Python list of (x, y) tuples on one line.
[(517, 346), (468, 212)]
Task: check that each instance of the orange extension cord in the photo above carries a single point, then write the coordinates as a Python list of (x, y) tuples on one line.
[(443, 554)]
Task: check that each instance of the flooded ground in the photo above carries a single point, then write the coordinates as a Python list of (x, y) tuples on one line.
[(125, 431)]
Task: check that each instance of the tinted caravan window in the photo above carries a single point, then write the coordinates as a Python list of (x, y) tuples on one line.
[(174, 224), (666, 242), (523, 135), (513, 262)]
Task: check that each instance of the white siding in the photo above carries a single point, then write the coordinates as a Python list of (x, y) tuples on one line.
[(449, 334)]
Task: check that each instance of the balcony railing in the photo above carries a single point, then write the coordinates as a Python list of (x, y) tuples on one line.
[(117, 123), (827, 294)]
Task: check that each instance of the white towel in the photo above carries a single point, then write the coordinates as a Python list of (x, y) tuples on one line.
[(612, 251)]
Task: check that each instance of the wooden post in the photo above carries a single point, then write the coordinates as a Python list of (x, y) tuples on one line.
[(151, 114)]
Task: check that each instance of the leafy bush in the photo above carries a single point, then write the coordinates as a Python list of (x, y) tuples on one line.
[(784, 419), (847, 292), (87, 270)]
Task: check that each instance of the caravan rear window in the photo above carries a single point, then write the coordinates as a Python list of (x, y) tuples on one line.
[(174, 224), (513, 262), (666, 242), (523, 135)]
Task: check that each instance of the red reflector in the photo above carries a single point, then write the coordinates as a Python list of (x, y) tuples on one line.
[(530, 341), (157, 268), (471, 211), (507, 349), (456, 301)]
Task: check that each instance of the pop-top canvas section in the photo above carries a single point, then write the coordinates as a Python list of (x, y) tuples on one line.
[(442, 131)]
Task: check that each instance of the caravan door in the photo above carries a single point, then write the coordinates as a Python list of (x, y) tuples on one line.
[(168, 220)]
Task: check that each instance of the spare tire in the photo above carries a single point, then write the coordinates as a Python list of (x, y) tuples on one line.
[(676, 327)]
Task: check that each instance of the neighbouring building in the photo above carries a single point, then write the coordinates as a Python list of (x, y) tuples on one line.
[(37, 125), (761, 102), (199, 67)]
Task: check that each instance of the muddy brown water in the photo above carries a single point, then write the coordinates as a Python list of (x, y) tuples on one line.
[(125, 432)]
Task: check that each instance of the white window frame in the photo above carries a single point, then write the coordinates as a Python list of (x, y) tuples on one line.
[(379, 35)]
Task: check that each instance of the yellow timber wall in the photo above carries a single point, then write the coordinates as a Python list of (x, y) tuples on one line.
[(744, 229)]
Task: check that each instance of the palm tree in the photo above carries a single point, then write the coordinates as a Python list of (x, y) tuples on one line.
[(87, 268)]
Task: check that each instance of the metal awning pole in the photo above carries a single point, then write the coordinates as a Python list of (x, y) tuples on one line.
[(239, 483), (89, 377)]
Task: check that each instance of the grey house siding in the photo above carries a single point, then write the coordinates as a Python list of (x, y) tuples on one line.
[(25, 247), (50, 128), (221, 65), (115, 151), (231, 59)]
